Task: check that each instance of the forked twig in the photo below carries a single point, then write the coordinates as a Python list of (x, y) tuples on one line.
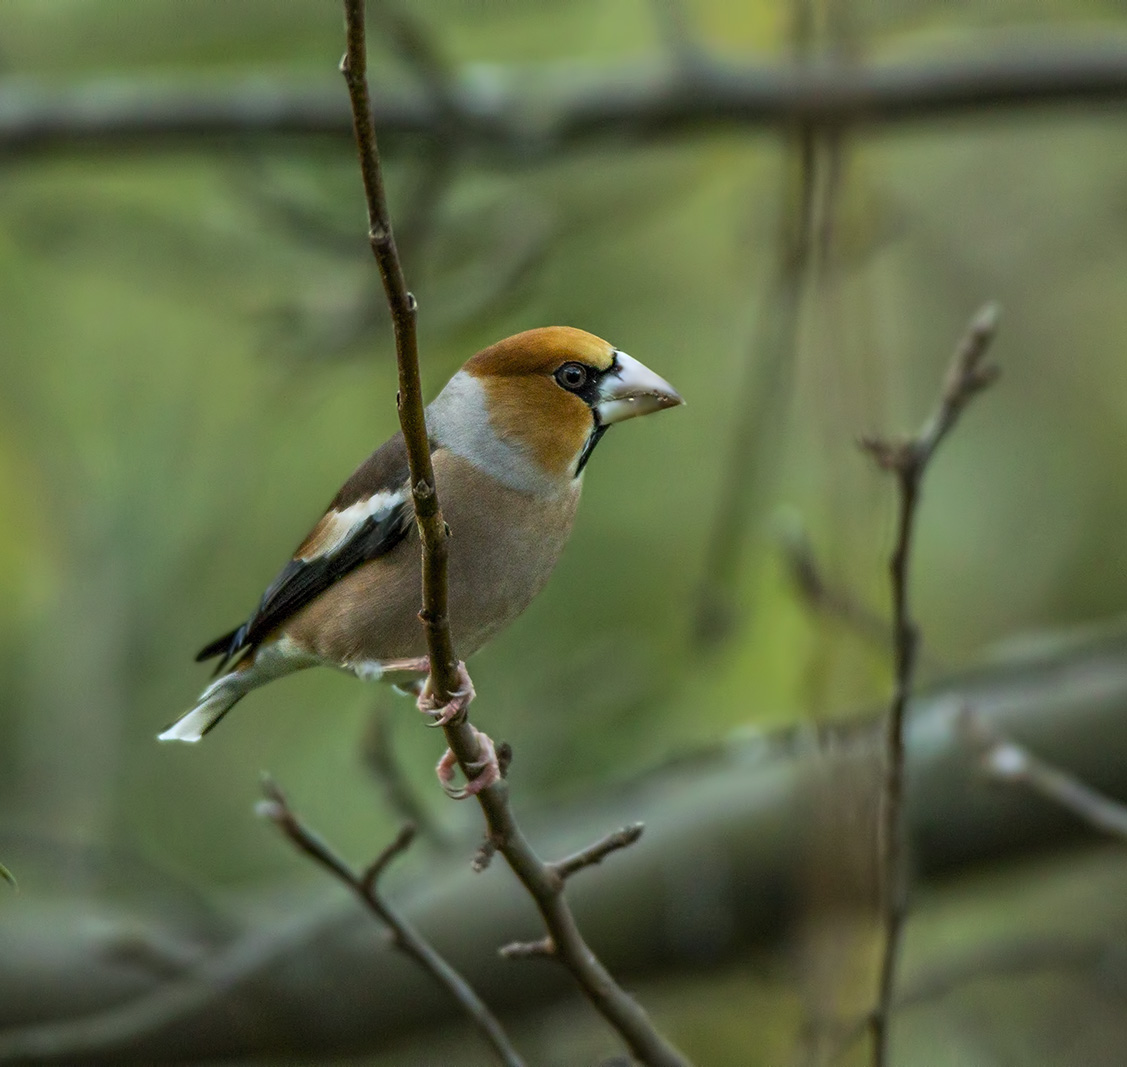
[(908, 461), (403, 935), (544, 883)]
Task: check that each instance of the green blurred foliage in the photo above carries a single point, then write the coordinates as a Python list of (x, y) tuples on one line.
[(193, 356)]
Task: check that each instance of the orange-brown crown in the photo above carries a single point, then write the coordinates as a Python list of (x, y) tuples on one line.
[(527, 407)]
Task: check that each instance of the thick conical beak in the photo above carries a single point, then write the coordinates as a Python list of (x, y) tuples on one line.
[(631, 388)]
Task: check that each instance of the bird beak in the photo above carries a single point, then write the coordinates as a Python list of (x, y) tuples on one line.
[(631, 388)]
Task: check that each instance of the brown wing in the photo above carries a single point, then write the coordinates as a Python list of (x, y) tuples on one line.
[(367, 518)]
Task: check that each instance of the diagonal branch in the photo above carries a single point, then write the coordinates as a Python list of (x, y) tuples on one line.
[(908, 460), (599, 851), (403, 935), (1006, 761), (543, 883), (208, 1001)]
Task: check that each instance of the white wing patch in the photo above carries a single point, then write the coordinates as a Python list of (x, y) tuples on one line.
[(338, 526)]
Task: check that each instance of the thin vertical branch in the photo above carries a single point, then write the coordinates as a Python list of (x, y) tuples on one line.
[(544, 883), (763, 395), (769, 368), (908, 461), (403, 935), (401, 303)]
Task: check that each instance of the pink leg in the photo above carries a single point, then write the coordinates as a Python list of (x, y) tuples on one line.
[(485, 771), (443, 715), (406, 675)]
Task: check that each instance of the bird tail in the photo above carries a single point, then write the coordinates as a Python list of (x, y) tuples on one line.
[(214, 702)]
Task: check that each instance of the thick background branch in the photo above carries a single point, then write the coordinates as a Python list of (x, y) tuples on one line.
[(496, 112), (732, 820)]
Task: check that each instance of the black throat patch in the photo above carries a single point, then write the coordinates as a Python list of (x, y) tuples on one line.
[(593, 439)]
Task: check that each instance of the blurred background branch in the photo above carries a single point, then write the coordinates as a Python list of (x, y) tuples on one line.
[(404, 936), (908, 461), (497, 114), (1006, 761), (741, 807), (780, 204)]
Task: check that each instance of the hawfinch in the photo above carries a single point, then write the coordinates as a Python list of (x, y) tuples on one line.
[(510, 434)]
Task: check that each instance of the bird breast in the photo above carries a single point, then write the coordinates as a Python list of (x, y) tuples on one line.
[(504, 544)]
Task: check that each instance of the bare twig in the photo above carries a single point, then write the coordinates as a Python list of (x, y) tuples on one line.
[(767, 375), (769, 363), (824, 597), (597, 852), (908, 460), (403, 935), (821, 596), (621, 106), (1006, 761), (543, 883)]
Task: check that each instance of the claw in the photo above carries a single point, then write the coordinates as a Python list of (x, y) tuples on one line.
[(483, 772), (455, 709)]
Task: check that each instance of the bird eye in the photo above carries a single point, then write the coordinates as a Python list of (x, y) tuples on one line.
[(572, 376)]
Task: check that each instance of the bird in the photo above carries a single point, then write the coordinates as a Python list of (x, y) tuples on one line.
[(511, 434)]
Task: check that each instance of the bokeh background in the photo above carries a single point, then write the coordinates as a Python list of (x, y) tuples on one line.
[(194, 353)]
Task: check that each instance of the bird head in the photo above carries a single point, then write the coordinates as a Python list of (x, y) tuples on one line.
[(547, 396)]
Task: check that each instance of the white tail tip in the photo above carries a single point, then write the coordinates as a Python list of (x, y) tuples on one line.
[(182, 730), (215, 701)]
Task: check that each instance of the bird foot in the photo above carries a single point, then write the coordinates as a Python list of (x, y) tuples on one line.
[(455, 709), (483, 772)]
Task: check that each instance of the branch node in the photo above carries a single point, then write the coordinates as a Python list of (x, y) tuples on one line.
[(504, 758), (375, 869), (889, 455), (484, 855), (401, 934)]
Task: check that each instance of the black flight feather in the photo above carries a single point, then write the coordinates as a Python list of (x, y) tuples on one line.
[(301, 581)]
